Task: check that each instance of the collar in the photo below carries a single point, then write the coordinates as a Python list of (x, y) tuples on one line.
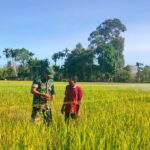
[(73, 86)]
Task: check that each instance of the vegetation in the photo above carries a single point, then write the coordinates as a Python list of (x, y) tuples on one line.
[(113, 116), (102, 60)]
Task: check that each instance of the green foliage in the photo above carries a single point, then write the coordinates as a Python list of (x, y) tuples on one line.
[(106, 32), (59, 73), (139, 71), (106, 48), (109, 32), (37, 67), (103, 60), (118, 44), (9, 71), (145, 74), (125, 75), (2, 73), (79, 62), (60, 55), (23, 56), (17, 55), (106, 59)]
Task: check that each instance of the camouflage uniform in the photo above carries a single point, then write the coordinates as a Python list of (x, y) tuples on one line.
[(41, 108)]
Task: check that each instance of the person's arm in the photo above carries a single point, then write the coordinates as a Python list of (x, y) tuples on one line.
[(62, 108), (52, 92), (80, 96), (34, 90)]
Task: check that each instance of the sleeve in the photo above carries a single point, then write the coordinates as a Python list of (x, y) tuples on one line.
[(80, 93), (53, 90), (35, 84)]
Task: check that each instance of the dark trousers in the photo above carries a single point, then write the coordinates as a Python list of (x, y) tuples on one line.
[(69, 116)]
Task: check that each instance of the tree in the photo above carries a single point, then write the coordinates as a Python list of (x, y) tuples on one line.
[(11, 53), (106, 32), (18, 55), (106, 60), (125, 75), (145, 74), (59, 55), (37, 67), (55, 57), (139, 71), (72, 63), (2, 73), (23, 56), (79, 62), (66, 52), (118, 44), (8, 72), (109, 32), (103, 58)]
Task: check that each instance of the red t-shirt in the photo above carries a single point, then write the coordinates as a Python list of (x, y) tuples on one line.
[(72, 96)]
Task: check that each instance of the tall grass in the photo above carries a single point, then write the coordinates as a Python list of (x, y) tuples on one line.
[(113, 116)]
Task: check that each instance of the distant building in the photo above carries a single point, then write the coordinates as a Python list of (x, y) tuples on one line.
[(133, 70)]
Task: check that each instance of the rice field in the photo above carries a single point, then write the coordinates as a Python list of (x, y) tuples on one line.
[(113, 117)]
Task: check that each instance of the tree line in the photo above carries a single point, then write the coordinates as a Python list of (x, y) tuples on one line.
[(102, 60)]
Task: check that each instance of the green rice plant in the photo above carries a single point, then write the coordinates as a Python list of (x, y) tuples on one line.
[(113, 117)]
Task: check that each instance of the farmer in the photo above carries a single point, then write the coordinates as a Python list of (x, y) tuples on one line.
[(43, 91), (72, 100)]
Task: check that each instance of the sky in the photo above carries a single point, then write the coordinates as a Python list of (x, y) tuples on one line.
[(48, 26)]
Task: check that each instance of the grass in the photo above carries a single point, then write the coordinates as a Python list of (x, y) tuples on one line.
[(113, 116)]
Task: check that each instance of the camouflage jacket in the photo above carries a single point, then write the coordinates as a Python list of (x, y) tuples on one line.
[(43, 86)]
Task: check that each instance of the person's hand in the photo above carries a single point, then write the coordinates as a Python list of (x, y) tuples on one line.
[(52, 97), (47, 96), (62, 108), (78, 113)]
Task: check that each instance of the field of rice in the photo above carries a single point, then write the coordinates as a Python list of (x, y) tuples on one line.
[(113, 117)]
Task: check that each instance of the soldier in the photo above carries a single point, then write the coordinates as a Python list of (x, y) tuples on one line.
[(43, 91)]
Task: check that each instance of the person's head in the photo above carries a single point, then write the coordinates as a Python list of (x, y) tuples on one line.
[(49, 73), (72, 80)]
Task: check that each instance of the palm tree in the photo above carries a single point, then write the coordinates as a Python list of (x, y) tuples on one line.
[(11, 53)]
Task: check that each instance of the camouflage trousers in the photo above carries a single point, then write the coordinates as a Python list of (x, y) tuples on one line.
[(42, 112)]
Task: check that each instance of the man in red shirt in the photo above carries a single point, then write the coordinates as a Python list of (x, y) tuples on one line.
[(72, 100)]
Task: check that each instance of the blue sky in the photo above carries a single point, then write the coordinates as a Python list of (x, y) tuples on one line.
[(48, 26)]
